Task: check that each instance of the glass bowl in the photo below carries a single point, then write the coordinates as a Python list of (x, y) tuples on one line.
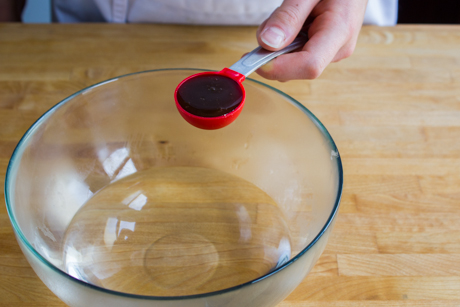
[(116, 200)]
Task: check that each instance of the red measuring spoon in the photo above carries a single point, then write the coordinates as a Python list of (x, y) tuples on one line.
[(212, 100)]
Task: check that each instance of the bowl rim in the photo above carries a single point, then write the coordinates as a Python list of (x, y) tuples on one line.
[(17, 153)]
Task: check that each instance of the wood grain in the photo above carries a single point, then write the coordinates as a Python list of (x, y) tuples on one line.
[(393, 109), (399, 265)]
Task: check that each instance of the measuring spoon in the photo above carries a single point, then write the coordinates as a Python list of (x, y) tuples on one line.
[(212, 100)]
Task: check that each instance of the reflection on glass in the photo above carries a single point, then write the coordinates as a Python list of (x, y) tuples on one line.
[(113, 162), (138, 202), (117, 165), (176, 231), (110, 232)]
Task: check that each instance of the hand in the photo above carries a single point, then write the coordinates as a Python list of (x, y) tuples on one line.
[(332, 26)]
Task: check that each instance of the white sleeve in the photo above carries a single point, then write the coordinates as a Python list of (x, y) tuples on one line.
[(223, 12), (381, 12)]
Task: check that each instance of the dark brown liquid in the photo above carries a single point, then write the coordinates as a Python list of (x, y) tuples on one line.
[(209, 95)]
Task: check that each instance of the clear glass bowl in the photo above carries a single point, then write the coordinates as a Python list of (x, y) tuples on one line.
[(116, 200)]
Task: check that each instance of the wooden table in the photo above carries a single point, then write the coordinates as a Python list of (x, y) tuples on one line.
[(393, 109)]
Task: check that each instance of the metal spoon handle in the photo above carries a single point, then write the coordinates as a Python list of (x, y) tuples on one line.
[(260, 56)]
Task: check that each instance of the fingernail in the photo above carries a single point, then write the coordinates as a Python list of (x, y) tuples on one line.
[(273, 37)]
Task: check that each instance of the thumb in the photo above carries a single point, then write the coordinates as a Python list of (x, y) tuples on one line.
[(280, 29)]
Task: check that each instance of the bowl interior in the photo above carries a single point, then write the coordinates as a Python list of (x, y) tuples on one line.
[(276, 163)]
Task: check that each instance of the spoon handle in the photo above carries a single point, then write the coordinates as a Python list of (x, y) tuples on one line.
[(260, 56)]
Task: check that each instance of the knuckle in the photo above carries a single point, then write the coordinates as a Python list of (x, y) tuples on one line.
[(289, 15), (348, 51), (313, 73), (315, 68), (353, 30), (310, 66)]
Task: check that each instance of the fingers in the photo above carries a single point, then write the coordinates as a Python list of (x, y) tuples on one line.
[(281, 68), (332, 37), (326, 39), (280, 29), (345, 52)]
